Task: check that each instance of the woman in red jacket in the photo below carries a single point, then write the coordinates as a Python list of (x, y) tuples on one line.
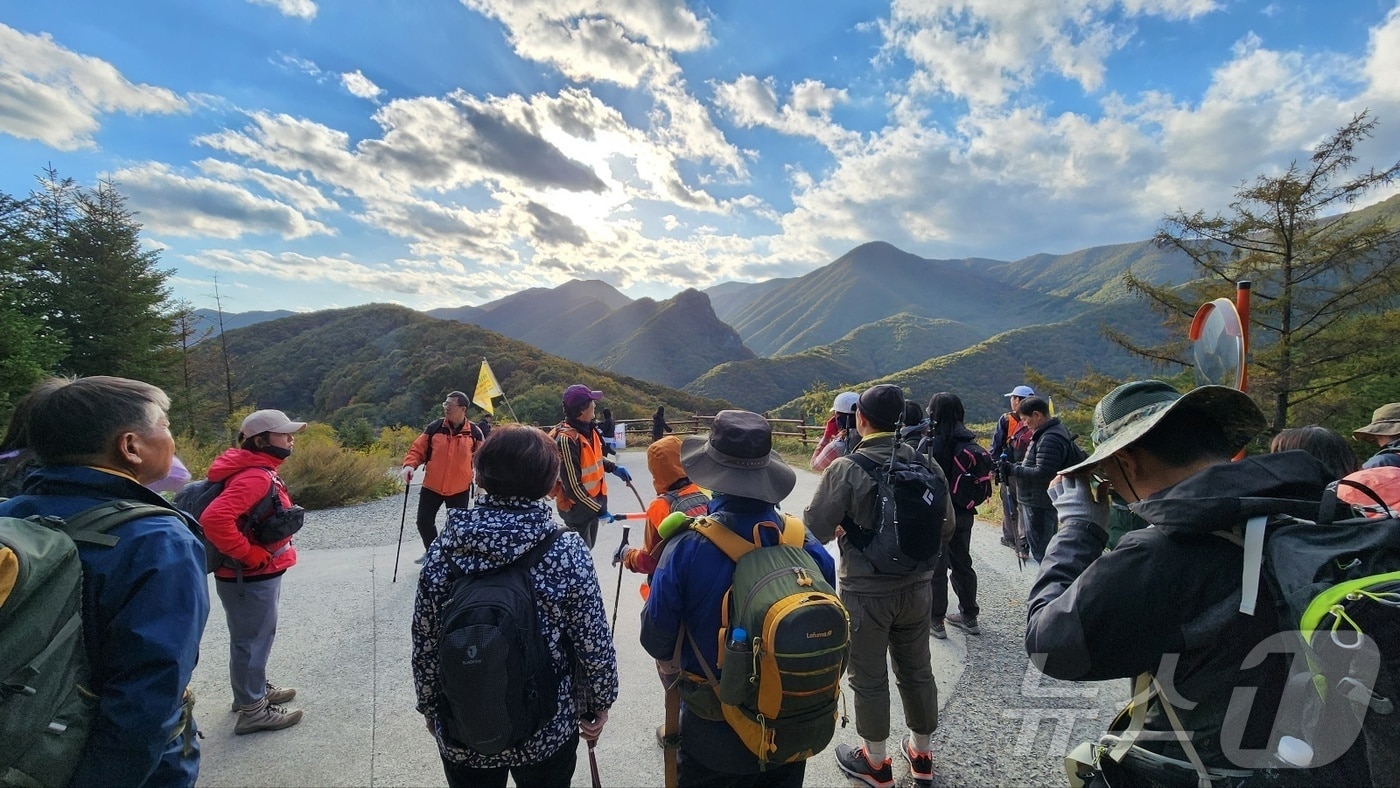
[(253, 495)]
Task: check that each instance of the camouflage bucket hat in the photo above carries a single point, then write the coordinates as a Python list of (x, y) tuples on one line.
[(1128, 412)]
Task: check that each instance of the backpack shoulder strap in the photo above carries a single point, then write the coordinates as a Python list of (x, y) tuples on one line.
[(730, 543), (868, 465), (91, 525), (794, 532)]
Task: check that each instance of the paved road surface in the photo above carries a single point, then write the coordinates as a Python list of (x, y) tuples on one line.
[(343, 641)]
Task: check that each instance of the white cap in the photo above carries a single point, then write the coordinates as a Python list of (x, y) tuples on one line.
[(845, 402)]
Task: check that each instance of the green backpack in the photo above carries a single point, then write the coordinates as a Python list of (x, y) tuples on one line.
[(46, 708), (784, 643)]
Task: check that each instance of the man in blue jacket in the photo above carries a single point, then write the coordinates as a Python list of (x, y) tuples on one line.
[(145, 599), (748, 479)]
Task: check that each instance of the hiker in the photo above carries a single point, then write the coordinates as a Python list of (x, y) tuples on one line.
[(582, 495), (915, 429), (1165, 601), (446, 447), (1009, 442), (516, 469), (675, 492), (1383, 431), (688, 592), (483, 425), (947, 434), (839, 435), (659, 427), (1051, 449), (890, 614), (1328, 446), (17, 457), (608, 428), (144, 598), (251, 591)]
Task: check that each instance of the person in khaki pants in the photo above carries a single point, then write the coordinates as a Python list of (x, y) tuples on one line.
[(890, 614)]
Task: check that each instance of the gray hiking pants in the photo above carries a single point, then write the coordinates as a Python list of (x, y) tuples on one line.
[(897, 623), (251, 609)]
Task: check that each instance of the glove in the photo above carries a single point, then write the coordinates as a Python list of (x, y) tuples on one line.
[(1074, 499), (257, 558), (621, 473), (605, 516), (621, 553), (407, 474), (590, 726), (1007, 469)]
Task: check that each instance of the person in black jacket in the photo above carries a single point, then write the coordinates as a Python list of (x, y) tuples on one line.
[(1166, 601), (659, 427), (947, 435), (1049, 453)]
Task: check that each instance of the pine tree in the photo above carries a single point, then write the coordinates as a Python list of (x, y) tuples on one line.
[(28, 348), (1320, 274)]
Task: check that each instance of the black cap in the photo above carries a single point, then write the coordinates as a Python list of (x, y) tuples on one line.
[(882, 405)]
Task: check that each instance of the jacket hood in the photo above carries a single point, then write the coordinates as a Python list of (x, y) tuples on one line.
[(664, 462), (494, 532), (1226, 495), (236, 459)]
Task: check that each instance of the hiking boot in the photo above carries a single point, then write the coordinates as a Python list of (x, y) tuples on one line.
[(937, 629), (274, 694), (264, 716), (920, 764), (853, 761), (966, 623)]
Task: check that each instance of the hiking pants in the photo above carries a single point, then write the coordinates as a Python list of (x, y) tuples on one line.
[(1040, 523), (251, 609), (554, 771), (694, 774), (1010, 524), (429, 502), (957, 558), (896, 623), (584, 520)]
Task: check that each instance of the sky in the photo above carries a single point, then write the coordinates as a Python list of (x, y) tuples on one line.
[(434, 153)]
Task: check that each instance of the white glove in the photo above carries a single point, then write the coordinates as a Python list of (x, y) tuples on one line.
[(407, 474), (1073, 497)]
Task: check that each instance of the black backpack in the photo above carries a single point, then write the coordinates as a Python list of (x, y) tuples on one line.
[(195, 497), (910, 510), (497, 673), (971, 480)]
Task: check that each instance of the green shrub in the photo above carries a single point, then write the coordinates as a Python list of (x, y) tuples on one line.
[(321, 474)]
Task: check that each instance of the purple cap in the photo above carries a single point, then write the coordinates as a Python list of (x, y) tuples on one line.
[(577, 396)]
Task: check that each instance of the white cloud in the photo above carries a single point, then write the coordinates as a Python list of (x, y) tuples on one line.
[(172, 204), (300, 9), (56, 96), (754, 102), (361, 86), (301, 195), (1383, 59)]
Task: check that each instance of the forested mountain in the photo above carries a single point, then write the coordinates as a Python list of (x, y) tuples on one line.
[(208, 320), (540, 313), (876, 349), (392, 365), (681, 341)]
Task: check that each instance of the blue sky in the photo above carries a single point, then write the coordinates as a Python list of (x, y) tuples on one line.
[(445, 152)]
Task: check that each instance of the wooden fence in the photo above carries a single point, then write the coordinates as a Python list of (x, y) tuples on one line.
[(788, 428)]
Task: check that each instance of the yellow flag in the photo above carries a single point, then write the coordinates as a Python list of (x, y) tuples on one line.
[(486, 388)]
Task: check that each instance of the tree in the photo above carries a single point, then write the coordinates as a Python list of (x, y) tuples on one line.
[(1320, 275), (28, 348)]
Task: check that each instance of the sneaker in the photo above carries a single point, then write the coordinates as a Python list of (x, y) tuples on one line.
[(274, 694), (937, 629), (965, 623), (920, 764), (853, 761), (420, 559), (264, 716)]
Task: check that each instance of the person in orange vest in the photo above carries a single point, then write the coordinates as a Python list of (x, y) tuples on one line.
[(446, 447), (1009, 442), (675, 492), (581, 494)]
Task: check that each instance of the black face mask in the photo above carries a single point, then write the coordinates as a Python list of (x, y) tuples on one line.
[(276, 451)]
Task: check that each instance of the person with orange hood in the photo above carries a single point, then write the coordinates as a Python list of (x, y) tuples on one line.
[(675, 492)]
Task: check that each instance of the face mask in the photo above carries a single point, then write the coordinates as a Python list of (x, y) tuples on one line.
[(276, 451)]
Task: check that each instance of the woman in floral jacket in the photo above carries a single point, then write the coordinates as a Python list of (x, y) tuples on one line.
[(516, 468)]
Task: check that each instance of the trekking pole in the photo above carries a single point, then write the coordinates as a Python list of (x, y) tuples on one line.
[(593, 756), (403, 519), (617, 595), (640, 502)]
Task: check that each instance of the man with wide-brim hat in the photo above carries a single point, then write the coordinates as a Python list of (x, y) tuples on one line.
[(1166, 600), (748, 479), (1383, 431)]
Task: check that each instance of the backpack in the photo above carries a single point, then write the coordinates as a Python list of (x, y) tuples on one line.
[(1018, 438), (908, 532), (497, 673), (1076, 452), (46, 708), (971, 482), (440, 425), (195, 497), (784, 644)]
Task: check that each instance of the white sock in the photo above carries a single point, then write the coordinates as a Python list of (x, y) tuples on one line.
[(875, 752), (921, 742)]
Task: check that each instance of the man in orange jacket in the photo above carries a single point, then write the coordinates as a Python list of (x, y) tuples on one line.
[(446, 447)]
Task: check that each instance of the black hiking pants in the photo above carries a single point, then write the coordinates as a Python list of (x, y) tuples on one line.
[(429, 502)]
